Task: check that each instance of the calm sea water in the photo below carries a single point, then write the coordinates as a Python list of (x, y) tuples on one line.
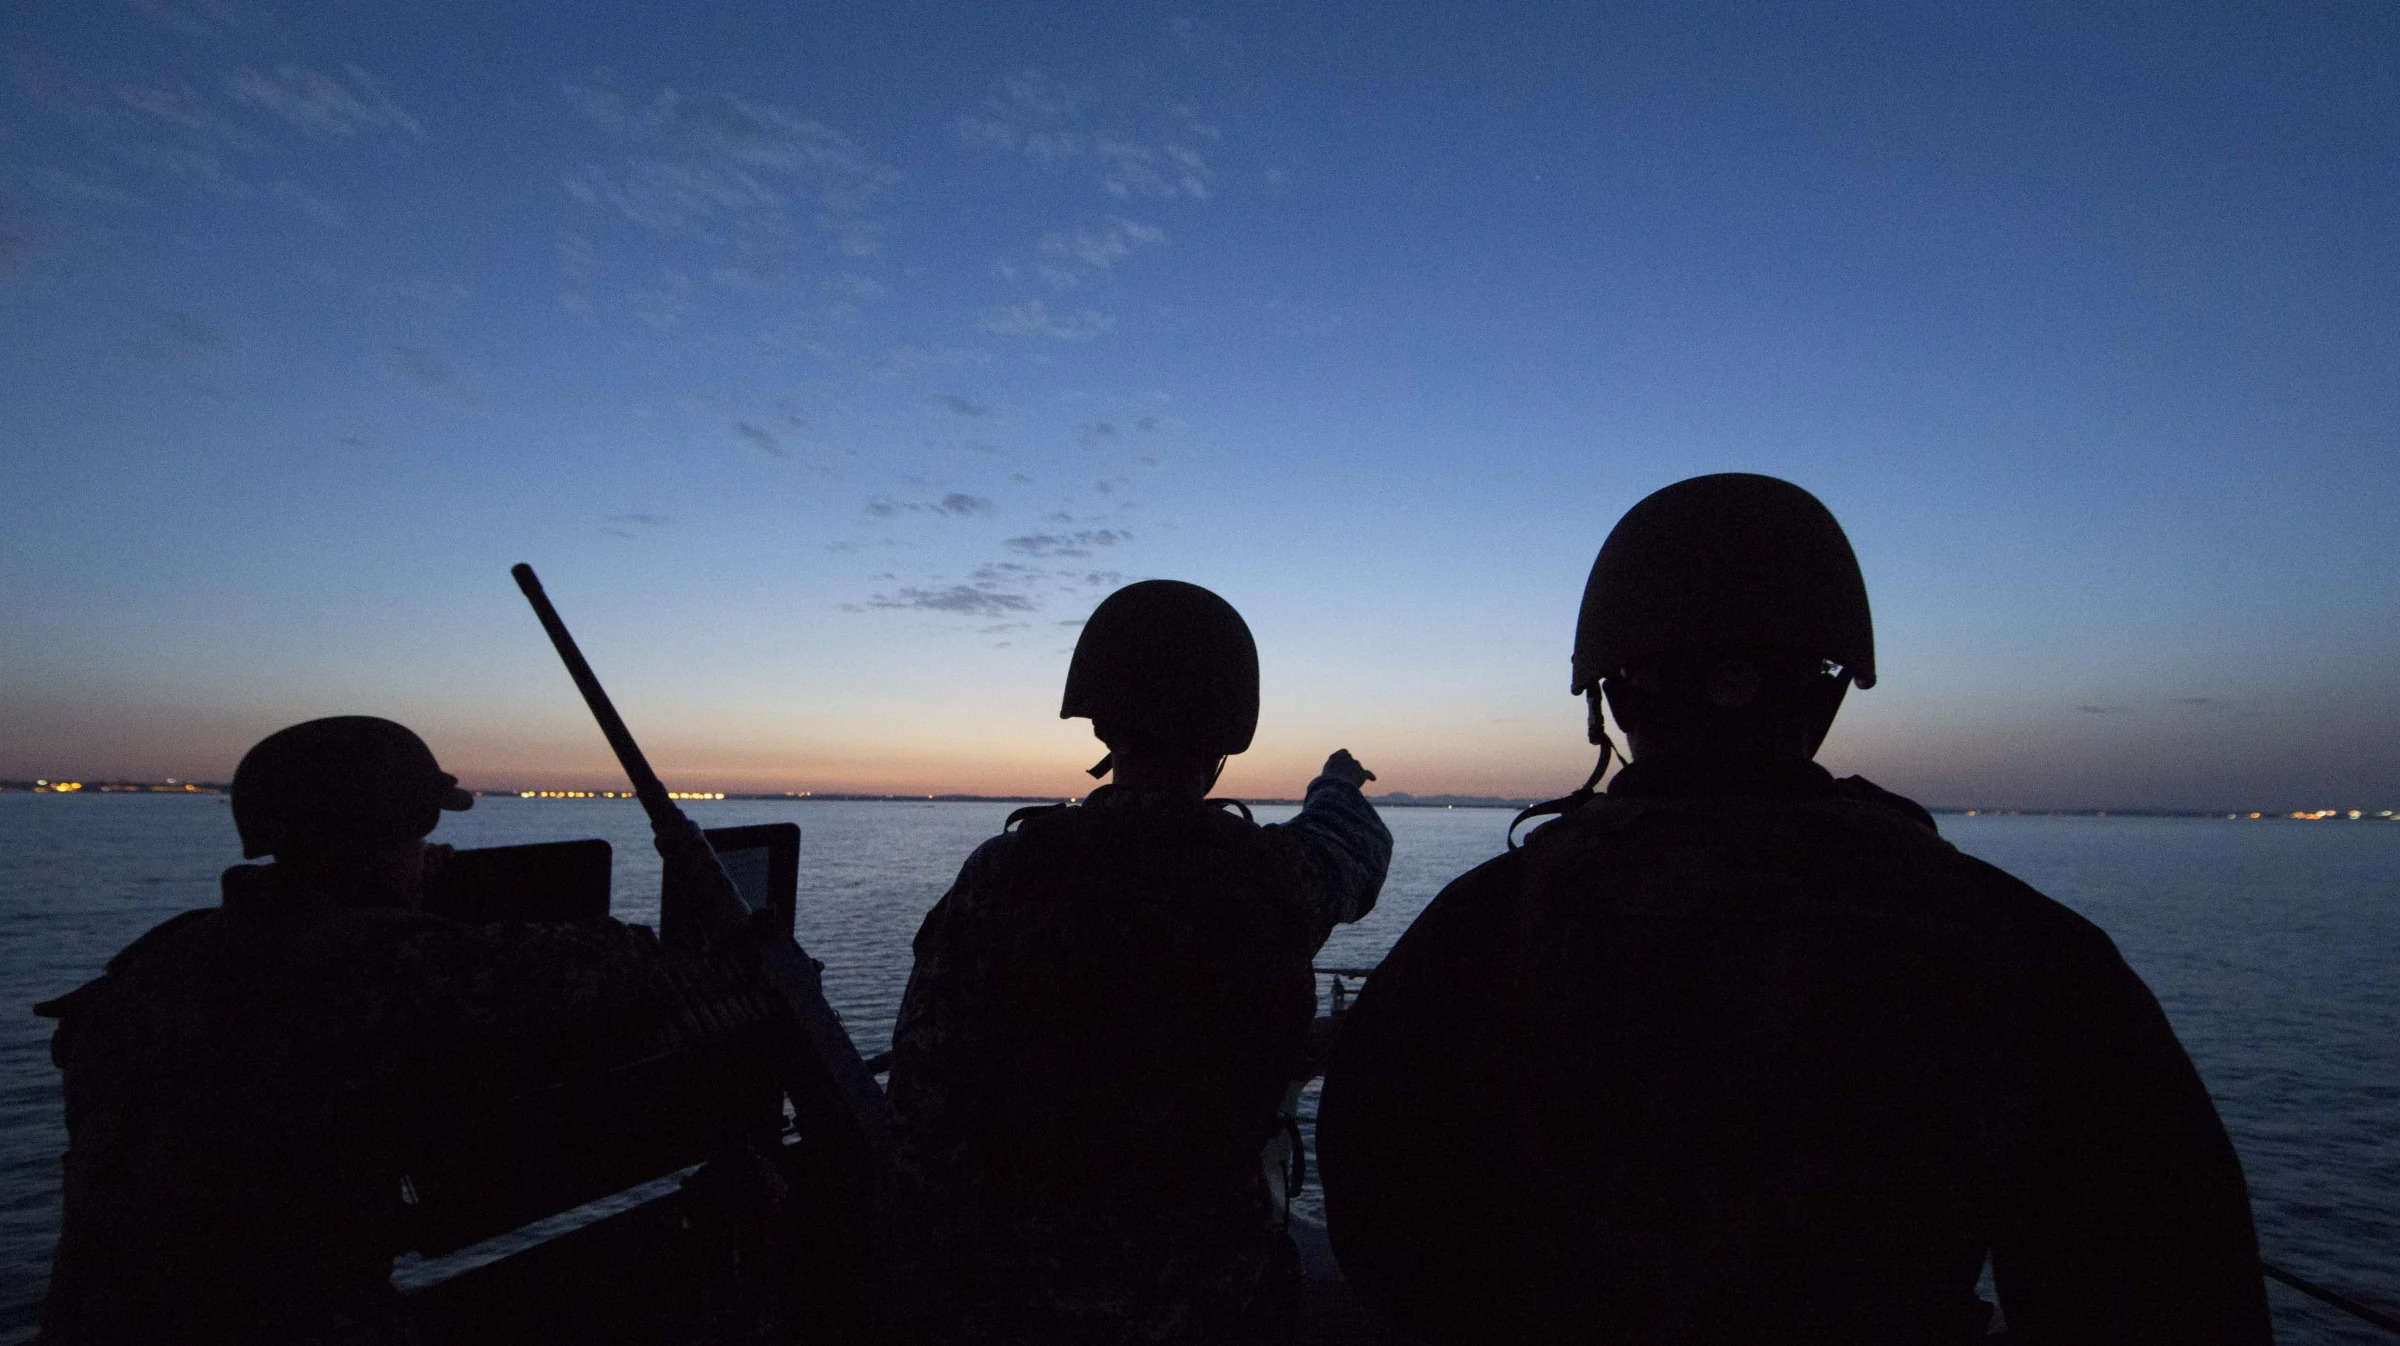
[(2275, 948)]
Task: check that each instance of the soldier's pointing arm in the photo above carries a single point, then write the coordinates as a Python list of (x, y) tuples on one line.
[(1345, 848)]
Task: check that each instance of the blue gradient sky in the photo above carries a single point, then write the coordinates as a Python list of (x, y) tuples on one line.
[(832, 361)]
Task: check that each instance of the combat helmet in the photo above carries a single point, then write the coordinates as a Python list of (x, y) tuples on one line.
[(1732, 560), (1166, 664), (347, 782)]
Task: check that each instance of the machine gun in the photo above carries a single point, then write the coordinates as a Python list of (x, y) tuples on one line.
[(750, 984), (833, 1097)]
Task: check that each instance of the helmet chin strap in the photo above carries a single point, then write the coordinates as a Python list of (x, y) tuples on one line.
[(1596, 729), (1568, 803)]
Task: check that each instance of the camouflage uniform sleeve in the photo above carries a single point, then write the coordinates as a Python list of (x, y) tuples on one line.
[(1345, 850), (945, 1058)]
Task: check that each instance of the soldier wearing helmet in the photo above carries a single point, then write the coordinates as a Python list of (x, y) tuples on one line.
[(232, 1079), (1109, 1006), (1736, 1051)]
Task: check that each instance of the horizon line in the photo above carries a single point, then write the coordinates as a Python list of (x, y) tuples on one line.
[(1393, 798)]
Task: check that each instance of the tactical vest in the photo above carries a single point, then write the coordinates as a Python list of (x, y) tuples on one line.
[(1154, 995), (1768, 1069), (221, 1183)]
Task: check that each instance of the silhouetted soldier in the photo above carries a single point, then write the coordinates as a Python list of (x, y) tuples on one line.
[(232, 1080), (1739, 1052), (1109, 1003)]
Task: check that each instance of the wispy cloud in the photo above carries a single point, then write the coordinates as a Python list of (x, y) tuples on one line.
[(1066, 256), (428, 371), (730, 171), (175, 334), (1129, 168), (1067, 544), (321, 105), (578, 265), (962, 599), (309, 203), (999, 588), (664, 301), (632, 525), (854, 286), (760, 438), (956, 503), (578, 260), (185, 109), (441, 297), (966, 407), (203, 135), (1033, 318), (1037, 118)]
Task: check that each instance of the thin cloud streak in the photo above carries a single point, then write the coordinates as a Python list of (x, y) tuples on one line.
[(761, 439), (960, 599), (722, 169), (321, 105), (1033, 318), (1067, 544)]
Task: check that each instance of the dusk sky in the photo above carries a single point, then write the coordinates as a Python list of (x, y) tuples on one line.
[(832, 361)]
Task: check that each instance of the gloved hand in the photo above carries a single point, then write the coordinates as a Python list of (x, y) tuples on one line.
[(1345, 768)]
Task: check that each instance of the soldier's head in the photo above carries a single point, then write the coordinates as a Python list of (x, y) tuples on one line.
[(1168, 675), (1724, 619), (349, 800)]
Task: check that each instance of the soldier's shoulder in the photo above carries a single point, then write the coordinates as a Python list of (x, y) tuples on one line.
[(1854, 813), (1860, 790), (159, 951), (1463, 919), (981, 880), (165, 939), (1121, 833)]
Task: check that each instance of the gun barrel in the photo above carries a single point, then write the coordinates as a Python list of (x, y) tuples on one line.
[(830, 1088), (646, 785)]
